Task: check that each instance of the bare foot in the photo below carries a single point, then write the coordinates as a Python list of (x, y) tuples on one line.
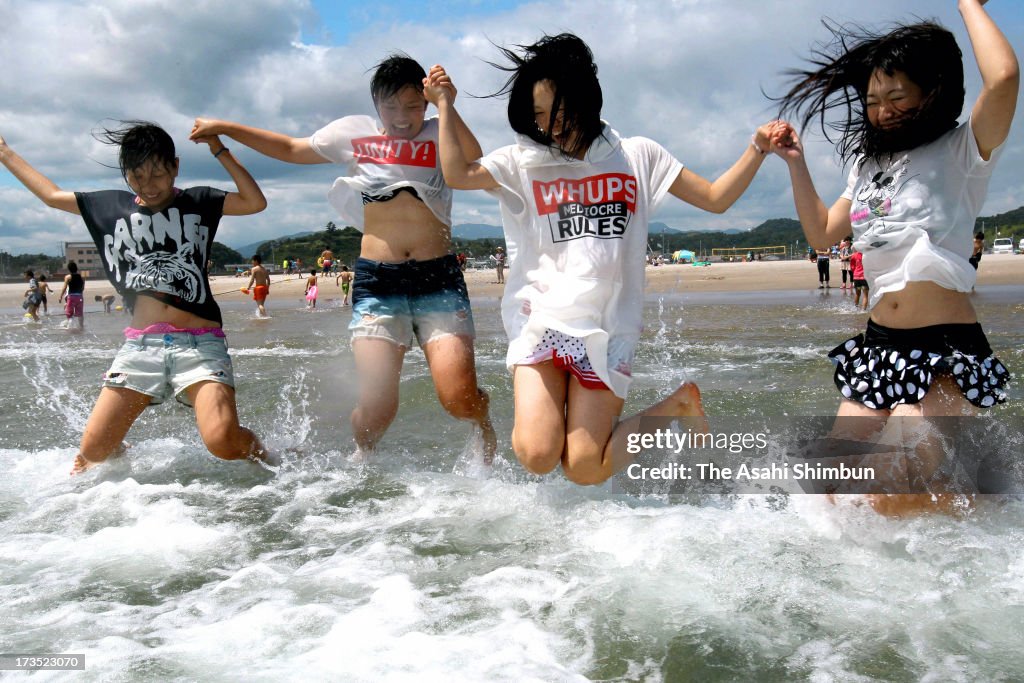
[(683, 402), (80, 464)]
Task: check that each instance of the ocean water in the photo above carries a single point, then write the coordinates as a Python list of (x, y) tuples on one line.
[(170, 565)]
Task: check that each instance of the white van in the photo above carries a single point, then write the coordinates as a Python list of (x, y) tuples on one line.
[(1003, 245), (1020, 247)]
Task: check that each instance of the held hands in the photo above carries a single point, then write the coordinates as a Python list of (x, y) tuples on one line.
[(205, 130), (216, 146), (783, 140), (438, 85)]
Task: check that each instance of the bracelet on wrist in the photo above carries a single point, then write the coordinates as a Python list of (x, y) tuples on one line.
[(753, 143), (224, 149)]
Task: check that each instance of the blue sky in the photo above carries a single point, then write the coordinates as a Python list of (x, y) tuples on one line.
[(338, 21), (687, 73)]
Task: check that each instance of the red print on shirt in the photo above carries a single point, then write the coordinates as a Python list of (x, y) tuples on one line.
[(381, 149), (598, 189)]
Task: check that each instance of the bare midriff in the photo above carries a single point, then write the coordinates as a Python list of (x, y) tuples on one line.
[(921, 304), (403, 229), (150, 311)]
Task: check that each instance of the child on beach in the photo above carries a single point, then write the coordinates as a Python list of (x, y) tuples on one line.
[(407, 286), (860, 285), (917, 183), (344, 280), (311, 290), (44, 289), (259, 283), (73, 293), (575, 200), (32, 296), (154, 241)]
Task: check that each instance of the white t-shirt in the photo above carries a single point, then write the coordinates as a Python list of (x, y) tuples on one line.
[(914, 219), (376, 164), (576, 233)]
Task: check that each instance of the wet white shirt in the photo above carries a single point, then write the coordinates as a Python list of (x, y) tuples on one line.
[(377, 164), (913, 219), (576, 232)]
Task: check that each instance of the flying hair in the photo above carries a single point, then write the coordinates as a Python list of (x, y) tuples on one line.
[(137, 143), (567, 62), (833, 92)]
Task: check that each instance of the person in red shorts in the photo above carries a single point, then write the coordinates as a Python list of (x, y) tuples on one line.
[(259, 283)]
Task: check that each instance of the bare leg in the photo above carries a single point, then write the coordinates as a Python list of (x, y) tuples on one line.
[(596, 446), (378, 366), (453, 368), (538, 435), (928, 450), (113, 415), (217, 419)]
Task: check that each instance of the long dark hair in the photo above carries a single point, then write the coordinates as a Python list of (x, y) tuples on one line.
[(567, 62), (137, 143), (837, 85)]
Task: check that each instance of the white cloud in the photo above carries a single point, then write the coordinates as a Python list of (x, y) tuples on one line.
[(687, 73)]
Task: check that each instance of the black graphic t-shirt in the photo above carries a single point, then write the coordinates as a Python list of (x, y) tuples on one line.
[(159, 254)]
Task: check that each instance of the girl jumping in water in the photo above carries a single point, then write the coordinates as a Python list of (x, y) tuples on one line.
[(918, 181), (155, 241), (575, 200), (407, 287)]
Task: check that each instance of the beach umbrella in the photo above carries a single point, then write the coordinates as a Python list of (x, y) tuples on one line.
[(683, 255)]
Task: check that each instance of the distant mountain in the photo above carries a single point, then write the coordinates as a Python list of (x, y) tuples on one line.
[(775, 232), (247, 250), (1005, 223), (476, 231)]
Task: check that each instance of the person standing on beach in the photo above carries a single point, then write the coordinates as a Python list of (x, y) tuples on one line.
[(344, 280), (823, 259), (573, 305), (845, 249), (259, 282), (499, 264), (407, 287), (917, 183), (32, 296), (326, 261), (44, 289), (74, 291), (860, 285), (979, 249), (312, 291), (174, 345)]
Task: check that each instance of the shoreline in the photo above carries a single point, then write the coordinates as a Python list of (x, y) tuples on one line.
[(753, 278)]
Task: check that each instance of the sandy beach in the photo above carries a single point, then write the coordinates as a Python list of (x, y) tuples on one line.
[(996, 269)]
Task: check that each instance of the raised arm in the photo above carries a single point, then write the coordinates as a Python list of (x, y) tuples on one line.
[(249, 198), (1000, 77), (36, 182), (823, 227), (719, 195), (458, 162), (266, 142)]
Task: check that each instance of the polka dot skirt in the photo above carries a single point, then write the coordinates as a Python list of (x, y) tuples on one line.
[(567, 353), (882, 377)]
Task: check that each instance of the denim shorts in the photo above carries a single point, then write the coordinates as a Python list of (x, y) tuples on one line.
[(165, 365), (425, 300)]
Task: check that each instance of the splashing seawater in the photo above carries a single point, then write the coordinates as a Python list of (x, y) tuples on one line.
[(169, 564)]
